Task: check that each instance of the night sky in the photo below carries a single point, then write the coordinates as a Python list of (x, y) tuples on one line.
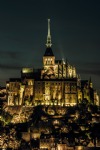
[(75, 31)]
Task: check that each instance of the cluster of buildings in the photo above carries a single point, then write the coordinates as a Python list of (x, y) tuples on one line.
[(51, 125), (57, 83)]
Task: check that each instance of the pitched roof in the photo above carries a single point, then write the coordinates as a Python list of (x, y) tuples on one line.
[(48, 52)]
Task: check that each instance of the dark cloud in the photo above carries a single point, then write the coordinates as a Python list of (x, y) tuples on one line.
[(8, 54), (87, 64), (89, 72), (90, 68), (10, 66), (94, 65)]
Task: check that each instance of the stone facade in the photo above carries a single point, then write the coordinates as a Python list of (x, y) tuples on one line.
[(57, 83)]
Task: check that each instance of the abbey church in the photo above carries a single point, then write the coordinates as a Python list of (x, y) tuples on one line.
[(57, 83)]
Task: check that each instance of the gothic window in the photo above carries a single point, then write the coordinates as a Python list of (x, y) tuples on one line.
[(51, 60), (30, 83), (67, 87), (46, 61)]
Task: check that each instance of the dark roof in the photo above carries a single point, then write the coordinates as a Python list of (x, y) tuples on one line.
[(48, 52), (58, 61), (15, 79), (1, 88), (84, 83)]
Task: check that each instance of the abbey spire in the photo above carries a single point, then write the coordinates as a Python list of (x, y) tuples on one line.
[(48, 44), (48, 51)]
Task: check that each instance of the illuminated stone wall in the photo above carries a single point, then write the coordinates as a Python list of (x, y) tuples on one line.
[(57, 70), (13, 93), (55, 92), (31, 92)]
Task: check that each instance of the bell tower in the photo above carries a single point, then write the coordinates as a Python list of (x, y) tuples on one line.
[(48, 58)]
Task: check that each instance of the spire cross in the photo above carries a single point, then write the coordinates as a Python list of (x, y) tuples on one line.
[(48, 44)]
